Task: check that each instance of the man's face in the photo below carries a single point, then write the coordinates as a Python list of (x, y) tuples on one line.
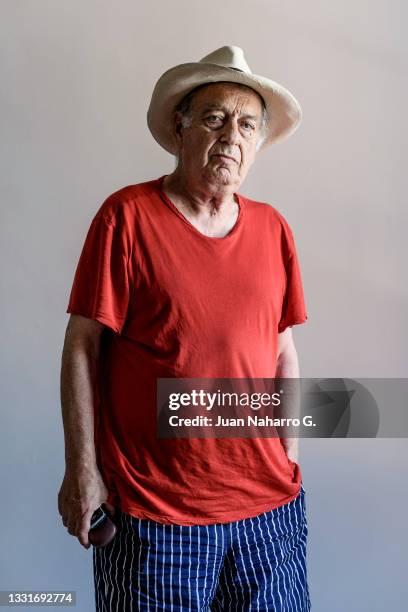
[(225, 119)]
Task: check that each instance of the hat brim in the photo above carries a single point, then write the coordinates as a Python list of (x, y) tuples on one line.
[(284, 111)]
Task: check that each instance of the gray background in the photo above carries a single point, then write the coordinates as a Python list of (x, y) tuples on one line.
[(76, 79)]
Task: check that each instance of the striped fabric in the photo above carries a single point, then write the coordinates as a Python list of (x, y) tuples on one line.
[(253, 564)]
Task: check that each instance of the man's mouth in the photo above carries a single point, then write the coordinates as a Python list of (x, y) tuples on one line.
[(226, 157)]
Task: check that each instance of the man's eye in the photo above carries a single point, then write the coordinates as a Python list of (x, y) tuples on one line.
[(248, 126), (213, 118)]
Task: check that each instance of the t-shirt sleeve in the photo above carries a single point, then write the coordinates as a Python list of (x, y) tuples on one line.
[(101, 283), (293, 306)]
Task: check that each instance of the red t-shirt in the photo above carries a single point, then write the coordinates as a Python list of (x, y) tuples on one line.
[(181, 304)]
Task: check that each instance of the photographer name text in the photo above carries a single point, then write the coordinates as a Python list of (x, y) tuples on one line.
[(248, 421)]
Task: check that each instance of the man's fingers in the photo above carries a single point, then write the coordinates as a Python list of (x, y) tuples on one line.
[(83, 528), (83, 539), (71, 524)]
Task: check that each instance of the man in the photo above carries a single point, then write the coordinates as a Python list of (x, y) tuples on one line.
[(183, 277)]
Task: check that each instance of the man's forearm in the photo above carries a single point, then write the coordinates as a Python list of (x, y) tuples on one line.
[(78, 372), (288, 367)]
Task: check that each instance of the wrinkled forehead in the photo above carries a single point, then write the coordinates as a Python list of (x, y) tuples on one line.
[(226, 95)]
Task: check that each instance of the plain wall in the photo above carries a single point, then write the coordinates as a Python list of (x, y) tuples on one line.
[(76, 81)]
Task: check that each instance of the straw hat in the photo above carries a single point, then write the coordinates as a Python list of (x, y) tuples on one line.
[(225, 64)]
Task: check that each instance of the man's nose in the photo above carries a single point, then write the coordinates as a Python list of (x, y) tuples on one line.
[(230, 132)]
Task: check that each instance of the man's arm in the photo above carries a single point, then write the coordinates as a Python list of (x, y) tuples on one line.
[(82, 489), (288, 367)]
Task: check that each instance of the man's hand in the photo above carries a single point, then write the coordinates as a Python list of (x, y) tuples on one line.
[(82, 492), (291, 446)]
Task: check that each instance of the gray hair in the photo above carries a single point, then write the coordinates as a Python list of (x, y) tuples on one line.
[(185, 110)]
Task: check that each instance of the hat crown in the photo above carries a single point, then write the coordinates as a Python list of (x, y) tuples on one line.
[(228, 56)]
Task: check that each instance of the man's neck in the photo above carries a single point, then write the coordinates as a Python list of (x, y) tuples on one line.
[(199, 199)]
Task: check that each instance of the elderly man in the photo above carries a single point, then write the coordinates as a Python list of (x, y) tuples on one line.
[(184, 277)]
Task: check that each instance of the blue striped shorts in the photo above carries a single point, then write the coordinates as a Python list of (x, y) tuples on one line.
[(256, 563)]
